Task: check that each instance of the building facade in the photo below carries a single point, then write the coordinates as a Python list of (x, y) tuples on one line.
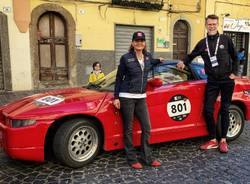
[(48, 43)]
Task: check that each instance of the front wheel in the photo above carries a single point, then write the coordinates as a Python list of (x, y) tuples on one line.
[(236, 123), (77, 142)]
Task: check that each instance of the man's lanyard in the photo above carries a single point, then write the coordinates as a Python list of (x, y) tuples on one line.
[(216, 48)]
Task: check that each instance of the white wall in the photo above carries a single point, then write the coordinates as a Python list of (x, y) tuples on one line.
[(19, 51)]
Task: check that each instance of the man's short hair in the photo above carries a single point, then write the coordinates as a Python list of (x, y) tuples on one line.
[(212, 16)]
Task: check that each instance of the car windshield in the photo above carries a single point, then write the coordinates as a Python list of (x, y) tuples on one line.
[(166, 71), (105, 83), (170, 74)]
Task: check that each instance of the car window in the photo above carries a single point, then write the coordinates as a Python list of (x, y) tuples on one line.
[(198, 67), (199, 71), (169, 74)]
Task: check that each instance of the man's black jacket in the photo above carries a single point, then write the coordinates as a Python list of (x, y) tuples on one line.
[(130, 78), (226, 56)]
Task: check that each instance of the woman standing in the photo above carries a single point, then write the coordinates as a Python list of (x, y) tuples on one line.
[(130, 98)]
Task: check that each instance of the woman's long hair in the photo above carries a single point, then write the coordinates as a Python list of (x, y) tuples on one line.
[(132, 49)]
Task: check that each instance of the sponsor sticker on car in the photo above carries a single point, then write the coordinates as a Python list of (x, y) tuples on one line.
[(50, 100), (179, 107)]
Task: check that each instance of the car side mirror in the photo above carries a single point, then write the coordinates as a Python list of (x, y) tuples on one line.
[(155, 82)]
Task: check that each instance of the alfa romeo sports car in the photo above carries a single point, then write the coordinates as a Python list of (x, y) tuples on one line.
[(73, 124)]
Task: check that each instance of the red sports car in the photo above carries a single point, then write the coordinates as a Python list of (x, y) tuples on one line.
[(74, 124)]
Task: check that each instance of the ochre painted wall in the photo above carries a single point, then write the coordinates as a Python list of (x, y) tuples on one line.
[(96, 22)]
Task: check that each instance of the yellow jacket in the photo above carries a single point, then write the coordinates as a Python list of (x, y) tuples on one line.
[(94, 77)]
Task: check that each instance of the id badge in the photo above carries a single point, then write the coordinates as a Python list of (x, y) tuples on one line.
[(214, 61)]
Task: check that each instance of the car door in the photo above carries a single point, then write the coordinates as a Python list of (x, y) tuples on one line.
[(176, 107)]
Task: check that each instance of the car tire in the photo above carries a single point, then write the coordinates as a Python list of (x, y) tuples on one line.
[(236, 123), (77, 142)]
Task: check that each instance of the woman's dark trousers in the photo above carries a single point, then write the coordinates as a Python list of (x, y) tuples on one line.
[(129, 107)]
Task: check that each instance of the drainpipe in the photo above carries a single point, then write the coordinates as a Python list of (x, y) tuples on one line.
[(21, 11)]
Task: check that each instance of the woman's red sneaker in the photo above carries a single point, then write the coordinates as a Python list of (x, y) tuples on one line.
[(155, 163), (136, 165)]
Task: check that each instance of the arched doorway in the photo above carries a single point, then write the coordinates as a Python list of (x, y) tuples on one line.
[(180, 41), (52, 40), (52, 48)]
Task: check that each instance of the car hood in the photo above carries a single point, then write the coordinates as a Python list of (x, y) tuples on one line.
[(55, 103), (243, 83)]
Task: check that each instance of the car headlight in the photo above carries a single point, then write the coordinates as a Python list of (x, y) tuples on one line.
[(247, 92), (16, 123)]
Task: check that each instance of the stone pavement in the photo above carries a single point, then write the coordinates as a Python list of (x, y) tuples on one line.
[(182, 162)]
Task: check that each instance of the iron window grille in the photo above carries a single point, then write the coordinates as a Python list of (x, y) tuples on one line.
[(140, 4)]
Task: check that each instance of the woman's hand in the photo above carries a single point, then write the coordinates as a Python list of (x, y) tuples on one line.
[(232, 76), (161, 59), (117, 103)]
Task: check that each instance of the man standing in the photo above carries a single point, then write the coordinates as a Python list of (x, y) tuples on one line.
[(220, 61)]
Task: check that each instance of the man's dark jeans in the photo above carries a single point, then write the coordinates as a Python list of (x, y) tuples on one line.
[(129, 107), (213, 88)]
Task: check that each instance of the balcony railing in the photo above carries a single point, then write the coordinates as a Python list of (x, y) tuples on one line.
[(140, 4)]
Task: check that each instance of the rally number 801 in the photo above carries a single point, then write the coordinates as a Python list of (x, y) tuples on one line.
[(178, 107)]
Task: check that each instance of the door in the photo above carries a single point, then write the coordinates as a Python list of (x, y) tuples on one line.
[(180, 42), (176, 107), (240, 40), (52, 49)]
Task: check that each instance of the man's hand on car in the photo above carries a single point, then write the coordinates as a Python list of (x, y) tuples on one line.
[(180, 65)]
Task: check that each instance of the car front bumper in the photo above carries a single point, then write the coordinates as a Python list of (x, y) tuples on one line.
[(26, 143)]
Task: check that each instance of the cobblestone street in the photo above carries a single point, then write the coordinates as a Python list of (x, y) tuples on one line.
[(182, 162)]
